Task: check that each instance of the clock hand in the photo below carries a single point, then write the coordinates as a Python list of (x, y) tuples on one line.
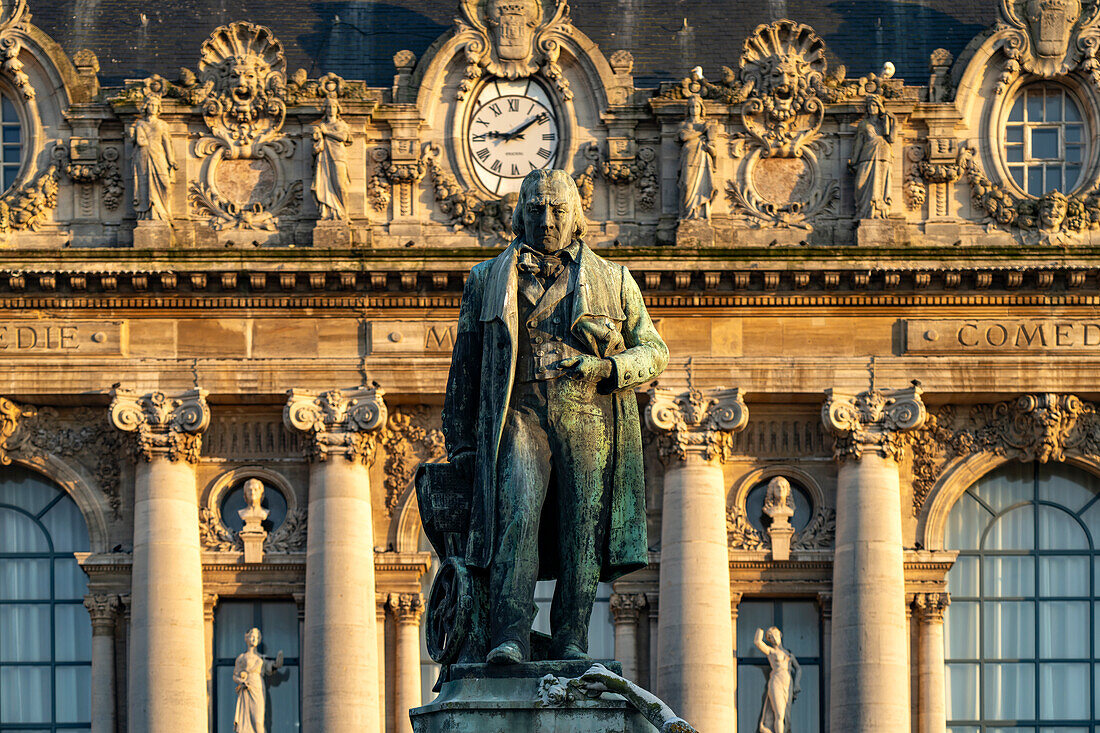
[(519, 130)]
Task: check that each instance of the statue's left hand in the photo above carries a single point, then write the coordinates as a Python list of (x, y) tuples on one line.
[(586, 368)]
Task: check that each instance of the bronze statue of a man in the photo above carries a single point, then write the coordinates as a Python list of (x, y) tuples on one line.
[(540, 413)]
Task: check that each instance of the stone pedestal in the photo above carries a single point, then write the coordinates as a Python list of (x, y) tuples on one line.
[(332, 234), (695, 638), (870, 640), (339, 640), (483, 698), (153, 234), (167, 669)]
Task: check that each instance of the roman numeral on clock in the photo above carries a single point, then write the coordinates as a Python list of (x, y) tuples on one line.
[(544, 153), (515, 169), (495, 108), (549, 135), (496, 166), (483, 154), (513, 105)]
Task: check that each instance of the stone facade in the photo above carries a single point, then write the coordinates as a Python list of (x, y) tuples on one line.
[(272, 293)]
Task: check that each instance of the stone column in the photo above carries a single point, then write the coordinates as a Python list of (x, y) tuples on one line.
[(380, 633), (870, 676), (406, 609), (653, 617), (209, 603), (825, 605), (695, 642), (103, 609), (931, 682), (624, 614), (167, 639), (735, 606), (340, 646)]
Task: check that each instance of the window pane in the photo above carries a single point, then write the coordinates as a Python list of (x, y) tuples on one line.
[(24, 633), (1008, 577), (751, 683), (20, 533), (1034, 105), (1009, 692), (72, 633), (227, 699), (1064, 576), (1012, 531), (66, 526), (1064, 691), (24, 579), (752, 615), (1017, 112), (11, 134), (962, 692), (74, 694), (1073, 133), (1017, 175), (961, 637), (1072, 113), (234, 619), (806, 711), (1004, 487), (1035, 181), (800, 629), (12, 154), (1063, 626), (1014, 134), (1060, 531), (70, 582), (962, 581), (25, 694), (1009, 629), (1015, 153), (282, 690), (1073, 176), (965, 524), (1054, 105), (1053, 179), (25, 490)]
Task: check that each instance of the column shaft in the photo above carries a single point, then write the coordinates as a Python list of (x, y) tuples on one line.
[(380, 634), (167, 635), (624, 614), (407, 609), (340, 683), (695, 642), (932, 683), (102, 609), (870, 678)]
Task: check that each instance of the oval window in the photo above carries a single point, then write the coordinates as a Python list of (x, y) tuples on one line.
[(1045, 140)]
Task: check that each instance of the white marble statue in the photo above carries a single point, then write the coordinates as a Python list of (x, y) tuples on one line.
[(697, 154), (152, 163), (872, 159), (253, 513), (331, 181), (248, 673), (778, 503), (783, 682)]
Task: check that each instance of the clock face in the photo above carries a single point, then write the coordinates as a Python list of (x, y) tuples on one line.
[(512, 130)]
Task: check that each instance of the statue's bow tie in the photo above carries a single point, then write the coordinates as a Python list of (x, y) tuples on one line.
[(547, 266)]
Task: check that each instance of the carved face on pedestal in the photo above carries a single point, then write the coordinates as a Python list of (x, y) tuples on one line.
[(1051, 23), (513, 23), (253, 493), (1052, 211)]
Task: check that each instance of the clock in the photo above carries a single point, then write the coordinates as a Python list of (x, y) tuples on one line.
[(512, 129)]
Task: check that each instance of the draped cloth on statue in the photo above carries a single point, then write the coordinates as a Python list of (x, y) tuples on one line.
[(248, 673)]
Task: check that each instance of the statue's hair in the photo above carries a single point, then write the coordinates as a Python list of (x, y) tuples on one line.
[(150, 101), (527, 188)]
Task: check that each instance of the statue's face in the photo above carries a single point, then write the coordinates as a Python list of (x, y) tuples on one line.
[(785, 80), (695, 109), (1051, 24), (512, 24), (1052, 212), (244, 77), (252, 637), (152, 108), (550, 216)]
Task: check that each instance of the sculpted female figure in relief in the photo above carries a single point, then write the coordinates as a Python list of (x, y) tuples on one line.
[(696, 162), (249, 672), (872, 159), (784, 682), (330, 179), (153, 163)]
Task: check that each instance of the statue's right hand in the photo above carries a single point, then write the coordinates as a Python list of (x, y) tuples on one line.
[(464, 463)]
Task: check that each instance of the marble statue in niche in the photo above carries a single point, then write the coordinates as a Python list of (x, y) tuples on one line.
[(540, 418), (872, 159), (697, 154), (779, 505), (253, 515), (249, 672), (784, 682), (331, 180), (152, 163)]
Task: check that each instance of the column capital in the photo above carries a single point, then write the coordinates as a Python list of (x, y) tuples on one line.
[(337, 422), (12, 417), (696, 422), (406, 607), (930, 607), (735, 603), (872, 421), (825, 604), (102, 608), (625, 607), (166, 427)]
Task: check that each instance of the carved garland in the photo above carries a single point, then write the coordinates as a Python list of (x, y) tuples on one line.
[(1037, 427), (641, 171), (411, 437), (464, 209), (14, 21)]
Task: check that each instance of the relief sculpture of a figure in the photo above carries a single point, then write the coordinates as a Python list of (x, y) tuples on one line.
[(330, 178), (153, 163), (697, 156), (872, 159), (784, 682), (249, 672)]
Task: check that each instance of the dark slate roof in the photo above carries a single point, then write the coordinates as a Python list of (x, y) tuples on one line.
[(357, 38)]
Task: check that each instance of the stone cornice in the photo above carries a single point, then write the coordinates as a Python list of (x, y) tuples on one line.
[(872, 421), (696, 423), (168, 427), (337, 422)]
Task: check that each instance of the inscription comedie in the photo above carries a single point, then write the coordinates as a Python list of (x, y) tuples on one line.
[(996, 336)]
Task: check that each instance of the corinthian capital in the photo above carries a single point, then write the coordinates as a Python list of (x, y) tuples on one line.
[(169, 427), (337, 422), (625, 607), (930, 607), (102, 608), (696, 422), (406, 607), (872, 421)]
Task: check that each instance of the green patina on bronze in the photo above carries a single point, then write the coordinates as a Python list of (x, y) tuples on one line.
[(543, 435)]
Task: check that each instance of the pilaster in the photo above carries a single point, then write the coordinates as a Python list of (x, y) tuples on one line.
[(103, 609), (407, 609), (695, 636), (625, 608), (931, 685)]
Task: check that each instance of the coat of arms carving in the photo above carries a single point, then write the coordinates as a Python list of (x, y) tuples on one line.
[(1049, 38)]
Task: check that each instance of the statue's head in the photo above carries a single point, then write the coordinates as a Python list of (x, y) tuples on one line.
[(773, 636), (151, 106), (331, 107), (513, 22), (1051, 24), (786, 82), (696, 112), (1052, 210), (253, 492), (549, 214), (873, 105), (252, 638)]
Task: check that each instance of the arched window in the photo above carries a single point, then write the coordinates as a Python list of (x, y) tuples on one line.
[(11, 141), (45, 633), (1021, 632)]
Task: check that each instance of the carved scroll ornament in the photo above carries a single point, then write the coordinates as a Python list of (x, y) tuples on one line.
[(872, 421), (337, 422), (512, 39), (14, 22), (163, 426), (1035, 427), (1048, 38)]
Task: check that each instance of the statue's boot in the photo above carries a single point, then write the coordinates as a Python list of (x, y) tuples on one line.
[(507, 652)]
